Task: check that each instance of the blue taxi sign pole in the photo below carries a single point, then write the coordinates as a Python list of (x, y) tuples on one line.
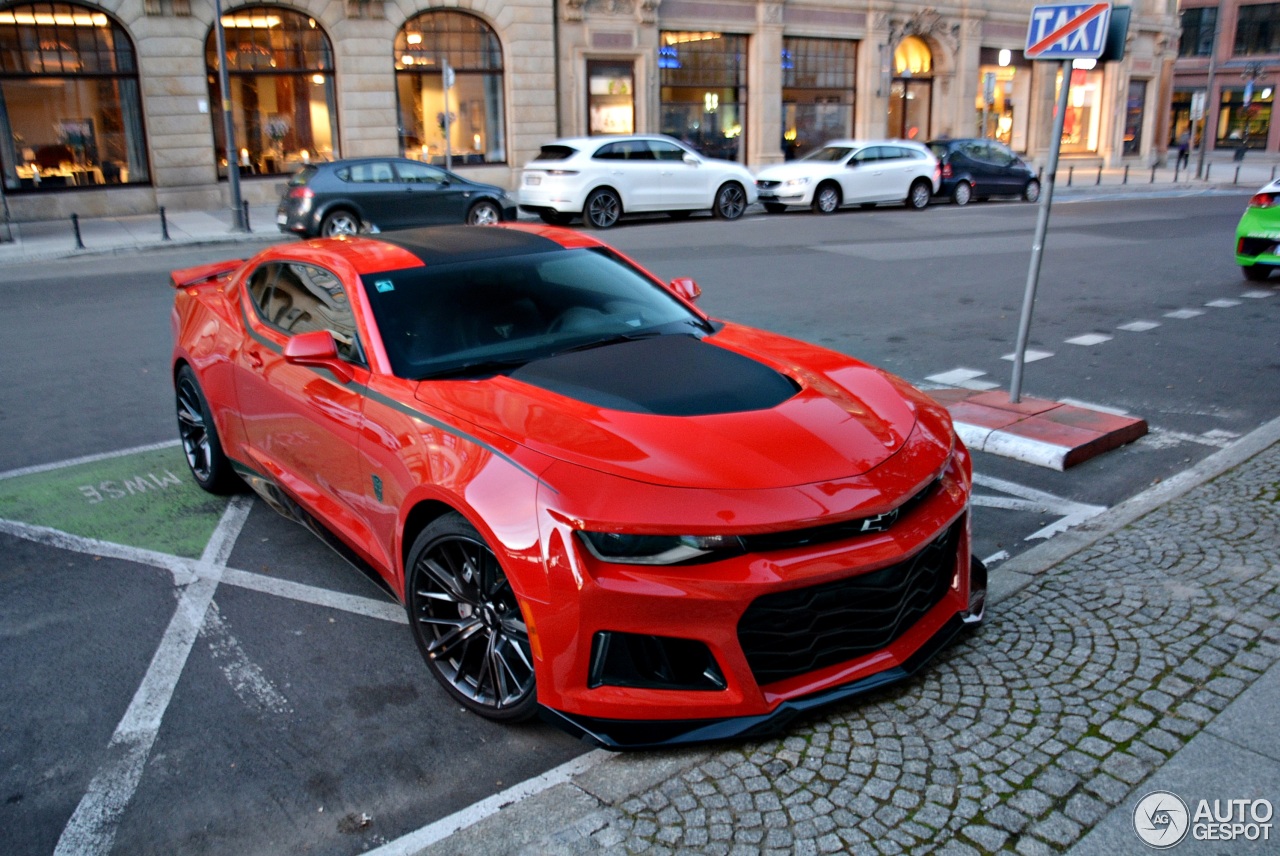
[(1065, 32)]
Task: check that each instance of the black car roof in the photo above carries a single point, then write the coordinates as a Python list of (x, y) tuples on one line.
[(447, 244)]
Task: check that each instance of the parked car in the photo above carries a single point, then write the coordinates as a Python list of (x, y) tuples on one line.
[(980, 169), (603, 178), (1258, 234), (849, 172), (344, 197), (590, 497)]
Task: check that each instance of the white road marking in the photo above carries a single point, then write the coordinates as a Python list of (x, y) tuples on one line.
[(245, 677), (1258, 295), (92, 827), (1070, 513), (444, 827), (995, 558), (1089, 339), (1030, 356), (1163, 438), (1089, 405), (1139, 326), (963, 378), (1184, 314), (87, 459), (1224, 303)]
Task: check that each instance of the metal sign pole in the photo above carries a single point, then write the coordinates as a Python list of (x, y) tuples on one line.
[(1037, 245), (229, 129)]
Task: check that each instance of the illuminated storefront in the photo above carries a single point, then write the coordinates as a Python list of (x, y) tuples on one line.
[(703, 91), (818, 85), (611, 97), (1082, 123), (911, 92), (1244, 125), (476, 127), (70, 113), (280, 67), (1002, 106)]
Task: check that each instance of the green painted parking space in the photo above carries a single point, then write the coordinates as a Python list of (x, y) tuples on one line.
[(146, 500)]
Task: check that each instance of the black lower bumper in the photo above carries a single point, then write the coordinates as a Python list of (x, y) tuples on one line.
[(622, 734)]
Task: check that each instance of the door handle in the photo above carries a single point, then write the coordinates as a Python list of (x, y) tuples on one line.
[(255, 359)]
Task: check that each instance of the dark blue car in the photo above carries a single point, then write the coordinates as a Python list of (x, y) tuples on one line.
[(980, 169)]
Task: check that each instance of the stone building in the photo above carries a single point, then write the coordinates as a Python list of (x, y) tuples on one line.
[(116, 106)]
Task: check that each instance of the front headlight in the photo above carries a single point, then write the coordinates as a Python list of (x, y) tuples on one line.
[(659, 549), (796, 182)]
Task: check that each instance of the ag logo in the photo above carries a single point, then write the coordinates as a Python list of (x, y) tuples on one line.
[(1161, 819)]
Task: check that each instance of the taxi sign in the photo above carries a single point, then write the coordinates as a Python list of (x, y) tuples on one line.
[(1068, 31)]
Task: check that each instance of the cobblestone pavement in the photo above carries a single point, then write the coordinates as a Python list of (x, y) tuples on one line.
[(1024, 735)]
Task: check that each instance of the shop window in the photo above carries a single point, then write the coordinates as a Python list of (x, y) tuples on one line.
[(1198, 27), (818, 80), (911, 91), (1004, 90), (1082, 123), (703, 90), (471, 109), (611, 97), (1135, 110), (283, 97), (1258, 29), (1241, 124), (70, 110)]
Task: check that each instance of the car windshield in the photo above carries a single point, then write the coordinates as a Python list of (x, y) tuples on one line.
[(484, 316), (828, 153)]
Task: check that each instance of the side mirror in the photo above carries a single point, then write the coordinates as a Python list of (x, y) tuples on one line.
[(685, 287), (692, 160), (318, 349)]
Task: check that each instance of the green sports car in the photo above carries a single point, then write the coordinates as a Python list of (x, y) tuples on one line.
[(1258, 234)]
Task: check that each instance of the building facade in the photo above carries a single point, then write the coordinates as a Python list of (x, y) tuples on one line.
[(117, 106), (1225, 76)]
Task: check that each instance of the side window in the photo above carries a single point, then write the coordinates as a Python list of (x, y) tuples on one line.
[(419, 173), (867, 155), (369, 173), (665, 151), (977, 151), (307, 298), (638, 150), (260, 289), (894, 153), (1002, 155), (612, 151)]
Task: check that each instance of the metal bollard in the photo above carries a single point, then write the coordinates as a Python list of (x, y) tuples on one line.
[(75, 226), (1273, 173), (164, 225), (1126, 174), (1071, 171), (1153, 175), (1099, 181), (1176, 170), (1237, 178), (245, 206), (1207, 168)]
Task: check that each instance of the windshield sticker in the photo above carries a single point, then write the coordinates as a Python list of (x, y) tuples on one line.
[(384, 285)]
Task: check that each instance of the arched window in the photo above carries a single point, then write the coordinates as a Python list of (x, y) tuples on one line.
[(70, 112), (911, 92), (283, 103), (477, 129)]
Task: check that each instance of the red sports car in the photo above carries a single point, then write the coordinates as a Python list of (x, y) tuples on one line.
[(593, 500)]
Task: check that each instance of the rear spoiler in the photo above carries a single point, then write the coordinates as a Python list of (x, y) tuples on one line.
[(204, 273)]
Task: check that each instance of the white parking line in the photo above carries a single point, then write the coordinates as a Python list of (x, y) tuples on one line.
[(87, 459), (1184, 314), (1070, 513), (1139, 326), (1089, 339), (92, 828), (1224, 303)]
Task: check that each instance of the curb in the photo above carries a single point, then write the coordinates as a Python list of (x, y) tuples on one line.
[(1036, 431), (551, 821)]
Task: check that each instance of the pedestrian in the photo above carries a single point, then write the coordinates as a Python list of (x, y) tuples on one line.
[(1184, 151)]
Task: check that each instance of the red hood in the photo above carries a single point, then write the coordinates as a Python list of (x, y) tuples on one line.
[(846, 419)]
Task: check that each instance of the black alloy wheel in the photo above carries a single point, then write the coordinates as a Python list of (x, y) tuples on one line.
[(208, 463), (731, 201), (467, 621), (603, 209)]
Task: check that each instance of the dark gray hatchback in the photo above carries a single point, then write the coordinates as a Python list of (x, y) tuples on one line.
[(979, 169), (344, 197)]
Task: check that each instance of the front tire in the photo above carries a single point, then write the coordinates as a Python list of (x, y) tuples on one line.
[(468, 623), (209, 465), (1031, 193), (340, 222), (484, 213), (731, 201), (826, 199), (603, 209), (918, 196), (962, 193)]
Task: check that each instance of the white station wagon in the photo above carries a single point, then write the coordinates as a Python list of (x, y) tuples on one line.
[(603, 178), (852, 172)]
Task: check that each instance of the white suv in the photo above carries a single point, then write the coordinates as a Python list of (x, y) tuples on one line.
[(849, 172), (602, 178)]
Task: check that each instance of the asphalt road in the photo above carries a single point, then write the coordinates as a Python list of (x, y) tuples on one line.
[(301, 718)]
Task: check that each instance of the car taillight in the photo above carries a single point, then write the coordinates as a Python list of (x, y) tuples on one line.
[(1262, 200), (301, 193), (946, 170)]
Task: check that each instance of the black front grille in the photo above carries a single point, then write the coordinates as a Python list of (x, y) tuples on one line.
[(793, 632), (837, 531), (767, 184)]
